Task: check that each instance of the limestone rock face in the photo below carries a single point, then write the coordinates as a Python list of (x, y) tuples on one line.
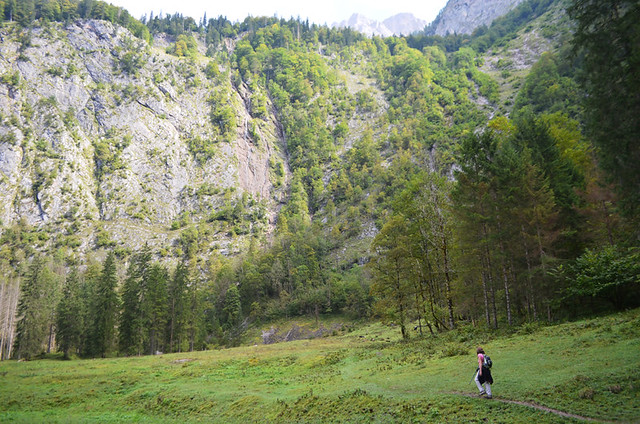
[(367, 26), (463, 16), (97, 129), (404, 24), (400, 24)]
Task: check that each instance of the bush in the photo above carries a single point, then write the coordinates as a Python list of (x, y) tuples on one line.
[(454, 350), (611, 275)]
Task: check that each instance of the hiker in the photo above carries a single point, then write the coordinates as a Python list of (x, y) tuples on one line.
[(483, 375)]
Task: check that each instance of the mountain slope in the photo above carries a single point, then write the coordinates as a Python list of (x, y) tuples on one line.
[(509, 62), (100, 127), (463, 16)]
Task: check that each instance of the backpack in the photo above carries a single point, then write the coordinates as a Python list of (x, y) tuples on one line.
[(487, 361)]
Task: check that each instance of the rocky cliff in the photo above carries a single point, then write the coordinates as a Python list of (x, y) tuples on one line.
[(463, 16), (100, 130), (400, 24)]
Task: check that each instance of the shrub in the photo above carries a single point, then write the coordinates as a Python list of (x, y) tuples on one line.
[(611, 274)]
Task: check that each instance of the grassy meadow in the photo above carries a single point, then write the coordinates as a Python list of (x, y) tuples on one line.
[(589, 368)]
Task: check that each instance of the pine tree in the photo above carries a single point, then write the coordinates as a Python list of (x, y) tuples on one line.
[(472, 198), (195, 316), (131, 336), (35, 309), (88, 287), (105, 309), (177, 308), (69, 319), (154, 306), (563, 176), (607, 35), (232, 308)]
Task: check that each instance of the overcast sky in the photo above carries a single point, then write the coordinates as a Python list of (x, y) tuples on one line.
[(318, 11)]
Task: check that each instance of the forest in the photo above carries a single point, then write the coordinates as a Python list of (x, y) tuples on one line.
[(530, 216)]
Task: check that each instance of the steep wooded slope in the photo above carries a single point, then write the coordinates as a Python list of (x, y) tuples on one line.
[(100, 128)]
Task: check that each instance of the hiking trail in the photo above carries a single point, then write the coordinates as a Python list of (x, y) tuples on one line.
[(538, 407)]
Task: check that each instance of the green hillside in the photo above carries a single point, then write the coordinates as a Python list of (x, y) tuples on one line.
[(367, 374)]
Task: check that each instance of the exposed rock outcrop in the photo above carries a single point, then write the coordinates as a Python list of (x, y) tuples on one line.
[(463, 16), (400, 24), (99, 127)]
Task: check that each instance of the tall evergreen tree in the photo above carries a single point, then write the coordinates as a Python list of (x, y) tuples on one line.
[(177, 308), (232, 308), (131, 334), (69, 319), (105, 309), (562, 175), (35, 309), (88, 287), (154, 307), (195, 323), (608, 36), (472, 197)]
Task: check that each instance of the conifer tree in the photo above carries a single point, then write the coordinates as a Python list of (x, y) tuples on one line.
[(472, 205), (232, 308), (154, 306), (563, 177), (131, 337), (105, 310), (177, 307), (607, 36), (69, 318), (195, 316), (34, 309), (88, 287)]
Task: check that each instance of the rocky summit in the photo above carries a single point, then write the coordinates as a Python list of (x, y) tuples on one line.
[(400, 24)]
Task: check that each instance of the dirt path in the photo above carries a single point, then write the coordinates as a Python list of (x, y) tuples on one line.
[(538, 407)]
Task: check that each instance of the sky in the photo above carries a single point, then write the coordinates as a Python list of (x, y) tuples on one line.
[(318, 11)]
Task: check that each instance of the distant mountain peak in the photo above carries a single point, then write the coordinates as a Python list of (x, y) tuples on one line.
[(400, 24), (404, 24)]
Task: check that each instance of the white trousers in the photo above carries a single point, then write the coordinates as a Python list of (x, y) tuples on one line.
[(487, 386)]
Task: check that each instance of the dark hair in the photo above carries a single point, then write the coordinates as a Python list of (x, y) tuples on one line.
[(480, 350)]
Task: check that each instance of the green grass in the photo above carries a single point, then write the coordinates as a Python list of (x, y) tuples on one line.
[(367, 375)]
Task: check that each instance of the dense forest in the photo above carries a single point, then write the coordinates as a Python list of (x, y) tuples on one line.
[(435, 216)]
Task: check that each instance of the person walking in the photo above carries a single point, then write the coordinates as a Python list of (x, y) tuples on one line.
[(483, 374)]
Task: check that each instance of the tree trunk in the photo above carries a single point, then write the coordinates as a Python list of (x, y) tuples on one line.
[(4, 312), (495, 309), (417, 294), (507, 299), (10, 316), (485, 237), (447, 277), (542, 265), (491, 289), (51, 338), (485, 293), (531, 299), (400, 301)]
